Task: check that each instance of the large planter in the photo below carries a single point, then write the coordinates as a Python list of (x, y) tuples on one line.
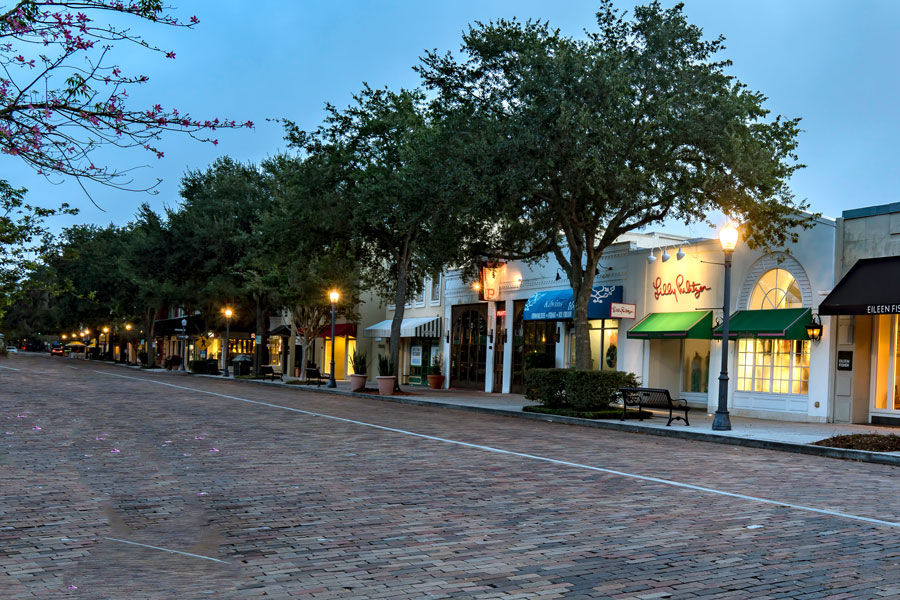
[(436, 382), (357, 382), (386, 384)]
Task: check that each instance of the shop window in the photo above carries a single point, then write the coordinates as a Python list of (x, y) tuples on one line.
[(777, 288), (773, 366), (419, 298), (695, 366), (887, 363), (604, 335), (276, 347), (436, 290)]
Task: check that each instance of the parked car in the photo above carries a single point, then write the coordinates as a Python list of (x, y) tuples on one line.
[(57, 351), (12, 350)]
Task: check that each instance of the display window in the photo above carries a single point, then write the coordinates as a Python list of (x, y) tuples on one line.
[(777, 288), (695, 366), (604, 335), (773, 366)]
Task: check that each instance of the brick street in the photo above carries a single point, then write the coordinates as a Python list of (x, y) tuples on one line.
[(291, 504)]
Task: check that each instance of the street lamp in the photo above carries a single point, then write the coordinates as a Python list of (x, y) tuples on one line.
[(228, 313), (728, 236), (334, 296), (106, 345)]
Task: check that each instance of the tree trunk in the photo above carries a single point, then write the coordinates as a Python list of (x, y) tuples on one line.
[(582, 294), (258, 341), (149, 342), (292, 350), (399, 310)]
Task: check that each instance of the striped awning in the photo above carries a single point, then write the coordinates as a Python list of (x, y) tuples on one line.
[(424, 327)]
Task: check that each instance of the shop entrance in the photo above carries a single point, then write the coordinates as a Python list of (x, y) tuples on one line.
[(499, 347), (468, 348)]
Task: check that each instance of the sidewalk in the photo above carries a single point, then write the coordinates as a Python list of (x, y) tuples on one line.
[(770, 434)]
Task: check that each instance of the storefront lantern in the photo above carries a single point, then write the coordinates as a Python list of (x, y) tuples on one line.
[(814, 329), (489, 280)]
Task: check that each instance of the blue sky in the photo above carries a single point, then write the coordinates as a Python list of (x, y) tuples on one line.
[(832, 63)]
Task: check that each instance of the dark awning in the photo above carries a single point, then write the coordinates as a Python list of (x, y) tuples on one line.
[(675, 325), (870, 287), (559, 305), (781, 323)]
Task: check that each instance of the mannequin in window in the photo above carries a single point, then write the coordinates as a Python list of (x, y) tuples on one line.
[(696, 372)]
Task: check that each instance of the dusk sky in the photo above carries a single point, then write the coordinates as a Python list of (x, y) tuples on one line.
[(832, 63)]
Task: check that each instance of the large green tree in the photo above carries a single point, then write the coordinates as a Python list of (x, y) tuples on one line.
[(574, 142), (394, 185), (307, 247)]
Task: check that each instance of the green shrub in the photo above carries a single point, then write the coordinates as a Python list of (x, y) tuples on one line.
[(358, 360), (385, 365), (575, 389), (436, 364)]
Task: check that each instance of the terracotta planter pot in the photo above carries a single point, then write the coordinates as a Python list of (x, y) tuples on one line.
[(357, 382), (436, 382), (386, 384)]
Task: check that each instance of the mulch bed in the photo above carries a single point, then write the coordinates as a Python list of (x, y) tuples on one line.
[(602, 413), (871, 442)]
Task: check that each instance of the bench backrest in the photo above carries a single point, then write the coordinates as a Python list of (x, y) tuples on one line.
[(266, 370), (313, 372), (647, 396)]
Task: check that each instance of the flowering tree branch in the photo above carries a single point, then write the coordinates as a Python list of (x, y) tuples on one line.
[(61, 98)]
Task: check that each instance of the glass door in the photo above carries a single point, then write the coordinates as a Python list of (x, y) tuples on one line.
[(886, 396)]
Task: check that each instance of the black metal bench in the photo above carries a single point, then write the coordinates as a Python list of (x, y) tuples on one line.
[(653, 398), (270, 372), (314, 376)]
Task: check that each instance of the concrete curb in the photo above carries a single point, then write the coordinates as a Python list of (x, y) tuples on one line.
[(684, 434)]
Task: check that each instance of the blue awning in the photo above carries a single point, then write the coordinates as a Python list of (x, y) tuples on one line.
[(558, 305)]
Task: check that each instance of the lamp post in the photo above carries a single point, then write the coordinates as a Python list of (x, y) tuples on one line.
[(228, 314), (729, 237), (106, 343), (334, 298)]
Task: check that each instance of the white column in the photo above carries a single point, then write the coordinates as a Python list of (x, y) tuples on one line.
[(489, 354), (445, 343), (560, 345), (508, 345)]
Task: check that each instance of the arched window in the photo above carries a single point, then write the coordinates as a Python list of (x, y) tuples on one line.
[(777, 288)]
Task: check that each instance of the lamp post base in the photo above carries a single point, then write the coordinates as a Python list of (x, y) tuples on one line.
[(331, 384), (722, 422)]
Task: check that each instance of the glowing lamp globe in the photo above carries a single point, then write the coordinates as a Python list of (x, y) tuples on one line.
[(334, 296), (729, 237)]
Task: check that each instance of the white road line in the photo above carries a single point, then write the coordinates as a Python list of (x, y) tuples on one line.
[(10, 368), (168, 550), (678, 484)]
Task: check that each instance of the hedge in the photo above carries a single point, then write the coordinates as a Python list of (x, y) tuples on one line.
[(575, 389)]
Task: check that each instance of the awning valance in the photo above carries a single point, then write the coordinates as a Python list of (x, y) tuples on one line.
[(559, 305), (693, 324), (780, 323), (870, 287), (425, 327), (340, 330)]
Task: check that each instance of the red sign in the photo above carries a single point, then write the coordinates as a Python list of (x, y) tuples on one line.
[(501, 313), (680, 287)]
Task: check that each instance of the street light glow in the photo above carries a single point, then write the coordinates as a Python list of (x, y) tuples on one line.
[(106, 330), (128, 326), (334, 295), (228, 313), (729, 237)]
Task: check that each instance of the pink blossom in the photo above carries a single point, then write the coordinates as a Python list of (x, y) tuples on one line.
[(115, 451), (36, 428), (213, 449)]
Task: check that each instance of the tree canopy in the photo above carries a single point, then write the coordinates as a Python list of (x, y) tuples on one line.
[(580, 141)]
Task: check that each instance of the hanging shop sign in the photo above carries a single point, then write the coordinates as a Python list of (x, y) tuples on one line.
[(490, 277), (622, 310), (680, 286)]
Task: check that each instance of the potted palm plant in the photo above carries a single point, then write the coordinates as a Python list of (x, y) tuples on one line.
[(435, 379), (359, 377), (386, 376)]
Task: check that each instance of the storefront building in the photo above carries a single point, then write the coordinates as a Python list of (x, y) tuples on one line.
[(775, 370), (863, 308)]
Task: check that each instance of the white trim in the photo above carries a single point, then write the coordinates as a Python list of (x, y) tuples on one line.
[(777, 260), (438, 282)]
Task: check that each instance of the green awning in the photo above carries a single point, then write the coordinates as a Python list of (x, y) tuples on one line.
[(781, 323), (692, 324)]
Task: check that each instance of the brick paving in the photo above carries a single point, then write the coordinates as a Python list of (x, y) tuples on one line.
[(300, 506)]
